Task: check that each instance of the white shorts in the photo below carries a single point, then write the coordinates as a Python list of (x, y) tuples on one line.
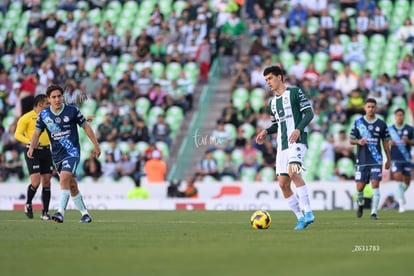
[(294, 154)]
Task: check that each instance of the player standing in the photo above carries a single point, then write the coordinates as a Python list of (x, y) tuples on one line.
[(402, 138), (290, 112), (40, 166), (367, 133), (60, 122)]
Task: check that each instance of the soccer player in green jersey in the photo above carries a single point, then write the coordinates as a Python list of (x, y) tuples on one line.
[(290, 112)]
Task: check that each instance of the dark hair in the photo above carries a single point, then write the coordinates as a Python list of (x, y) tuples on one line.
[(39, 99), (399, 110), (371, 100), (53, 87), (274, 70)]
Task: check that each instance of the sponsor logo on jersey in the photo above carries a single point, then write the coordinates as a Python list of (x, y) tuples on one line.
[(58, 120)]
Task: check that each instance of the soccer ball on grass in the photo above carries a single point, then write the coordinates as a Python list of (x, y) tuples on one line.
[(261, 220)]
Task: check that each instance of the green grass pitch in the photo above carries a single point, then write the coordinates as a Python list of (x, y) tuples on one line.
[(206, 243)]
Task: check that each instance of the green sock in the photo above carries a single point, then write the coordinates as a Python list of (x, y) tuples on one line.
[(360, 198), (375, 200)]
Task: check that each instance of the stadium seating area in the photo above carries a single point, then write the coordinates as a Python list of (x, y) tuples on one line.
[(122, 71), (305, 43), (125, 68)]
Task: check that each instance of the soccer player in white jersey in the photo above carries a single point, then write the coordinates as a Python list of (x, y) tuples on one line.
[(290, 113)]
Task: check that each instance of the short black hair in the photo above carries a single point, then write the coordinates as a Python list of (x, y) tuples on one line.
[(399, 110), (54, 87), (39, 99), (274, 70), (371, 100)]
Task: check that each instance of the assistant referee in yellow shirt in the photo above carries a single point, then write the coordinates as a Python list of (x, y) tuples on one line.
[(41, 165)]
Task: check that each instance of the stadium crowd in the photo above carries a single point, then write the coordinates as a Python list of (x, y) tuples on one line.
[(138, 63), (339, 53)]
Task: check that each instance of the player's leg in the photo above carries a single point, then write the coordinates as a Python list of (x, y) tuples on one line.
[(361, 178), (46, 194), (397, 171), (78, 200), (33, 166), (296, 154), (284, 183), (375, 198), (46, 169)]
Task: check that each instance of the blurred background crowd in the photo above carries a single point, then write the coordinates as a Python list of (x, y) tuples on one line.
[(141, 63)]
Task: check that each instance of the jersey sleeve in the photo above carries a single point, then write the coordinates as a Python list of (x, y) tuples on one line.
[(19, 134), (40, 124), (354, 134), (386, 133), (80, 119), (302, 100)]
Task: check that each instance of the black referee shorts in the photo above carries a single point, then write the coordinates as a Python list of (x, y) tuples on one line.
[(41, 162)]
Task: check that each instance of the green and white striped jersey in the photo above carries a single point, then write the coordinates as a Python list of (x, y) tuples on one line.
[(286, 113)]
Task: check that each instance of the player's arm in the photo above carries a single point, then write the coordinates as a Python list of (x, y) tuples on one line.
[(386, 146), (91, 135), (19, 134), (306, 119), (33, 143)]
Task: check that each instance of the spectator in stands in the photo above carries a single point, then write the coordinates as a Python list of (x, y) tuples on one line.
[(92, 167), (320, 121), (127, 167), (247, 114), (336, 50), (126, 87), (208, 165), (240, 78), (338, 115), (126, 129), (157, 96), (258, 50), (229, 114), (9, 44), (3, 169), (175, 96), (107, 131), (155, 168), (297, 16), (161, 131), (379, 23), (269, 154), (203, 57), (80, 73), (343, 24), (327, 24), (143, 82), (397, 88), (229, 167), (328, 150), (109, 166), (355, 103), (342, 147), (226, 46), (51, 24), (14, 165), (355, 51), (140, 131), (347, 80), (405, 66), (297, 69), (186, 85), (362, 22)]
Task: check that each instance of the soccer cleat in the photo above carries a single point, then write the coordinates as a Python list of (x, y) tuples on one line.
[(45, 216), (401, 208), (309, 217), (374, 216), (57, 217), (301, 224), (28, 210), (86, 219), (360, 211)]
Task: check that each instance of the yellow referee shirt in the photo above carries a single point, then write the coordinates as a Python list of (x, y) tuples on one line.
[(26, 127)]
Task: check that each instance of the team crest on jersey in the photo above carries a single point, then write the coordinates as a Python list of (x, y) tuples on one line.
[(405, 132), (377, 129), (370, 127), (66, 119), (58, 120)]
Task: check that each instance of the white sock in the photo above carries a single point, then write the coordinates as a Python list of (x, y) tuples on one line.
[(64, 198), (375, 200), (304, 197), (80, 204), (294, 205)]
